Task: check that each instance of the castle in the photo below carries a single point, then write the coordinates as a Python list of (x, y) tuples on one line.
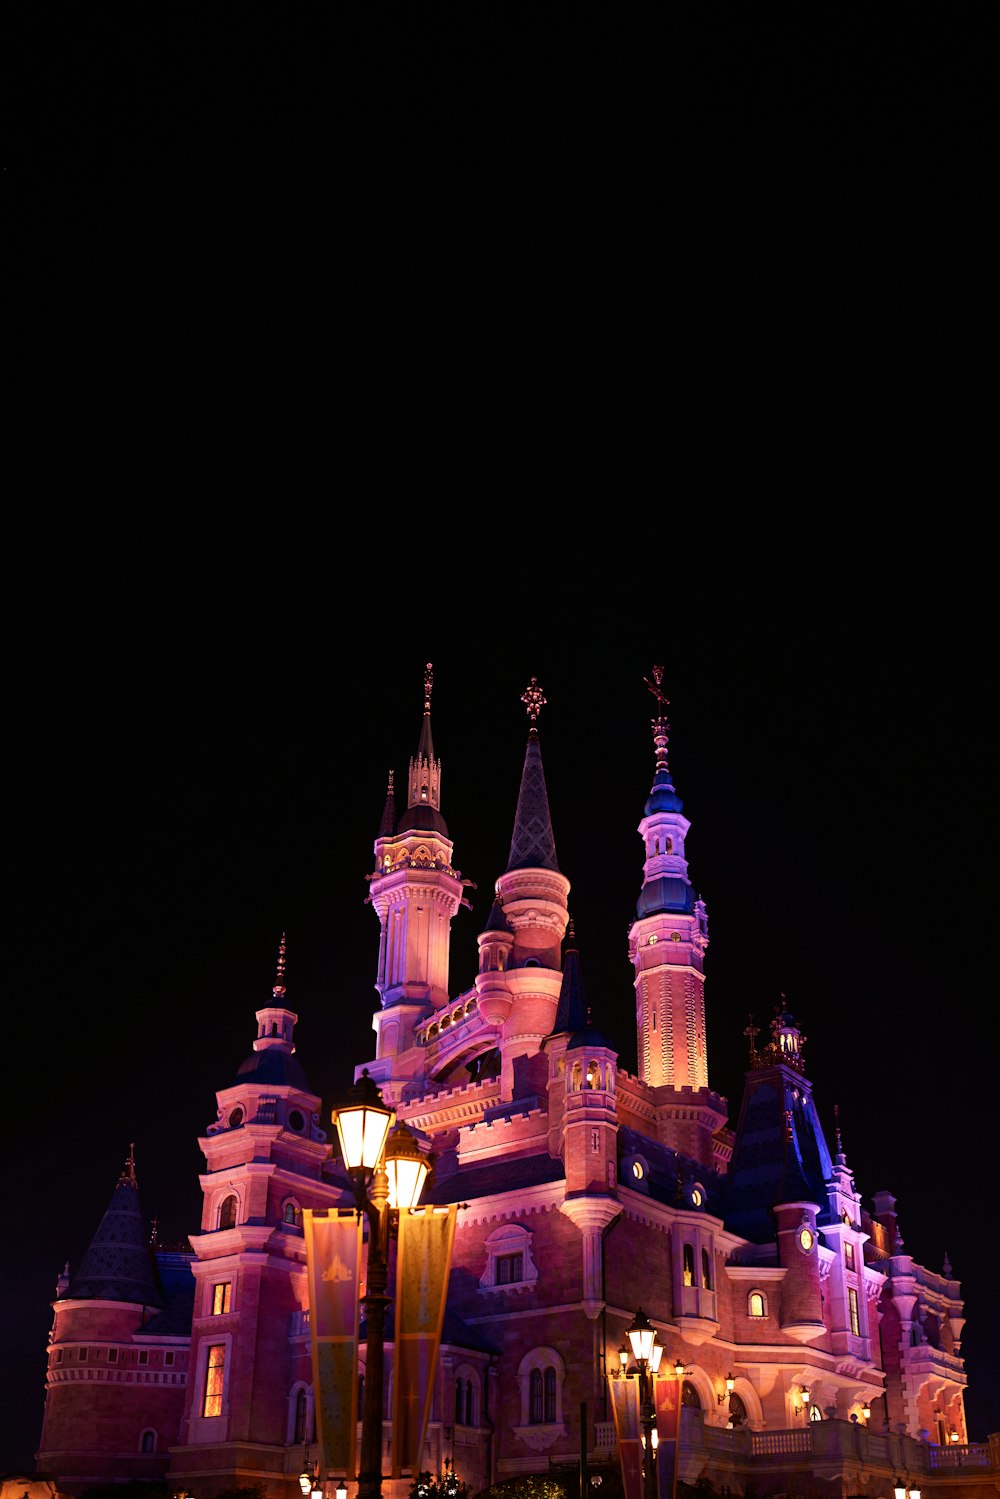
[(808, 1345)]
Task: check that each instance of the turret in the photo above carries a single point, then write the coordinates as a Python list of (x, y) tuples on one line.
[(668, 939), (415, 891), (533, 894)]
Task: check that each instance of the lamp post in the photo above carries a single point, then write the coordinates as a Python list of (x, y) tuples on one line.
[(642, 1336), (386, 1173)]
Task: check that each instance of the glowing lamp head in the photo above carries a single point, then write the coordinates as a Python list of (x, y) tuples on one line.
[(341, 1489), (623, 1357), (654, 1357), (406, 1168), (679, 1369), (642, 1336), (305, 1481), (899, 1488), (362, 1125), (730, 1384)]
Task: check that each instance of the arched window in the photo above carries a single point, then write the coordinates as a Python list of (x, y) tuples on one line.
[(815, 1414), (291, 1213), (228, 1211), (459, 1401), (756, 1305), (147, 1442), (536, 1400), (470, 1414), (301, 1413), (689, 1396), (540, 1376), (737, 1410), (688, 1265), (706, 1271)]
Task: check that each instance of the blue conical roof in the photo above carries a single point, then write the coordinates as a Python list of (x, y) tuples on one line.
[(118, 1266)]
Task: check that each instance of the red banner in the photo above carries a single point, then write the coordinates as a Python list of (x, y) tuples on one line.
[(423, 1263), (625, 1409), (333, 1259), (666, 1400)]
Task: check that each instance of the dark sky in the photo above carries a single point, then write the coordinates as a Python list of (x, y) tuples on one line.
[(201, 765)]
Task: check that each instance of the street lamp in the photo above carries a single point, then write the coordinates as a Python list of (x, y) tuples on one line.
[(386, 1173), (730, 1386), (642, 1336)]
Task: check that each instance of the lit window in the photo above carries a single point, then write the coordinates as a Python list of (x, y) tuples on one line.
[(852, 1301), (706, 1271), (815, 1414), (220, 1298), (849, 1256), (756, 1305), (215, 1368), (688, 1265), (227, 1213)]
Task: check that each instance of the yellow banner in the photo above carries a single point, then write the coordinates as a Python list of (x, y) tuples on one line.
[(423, 1263), (333, 1260), (625, 1410)]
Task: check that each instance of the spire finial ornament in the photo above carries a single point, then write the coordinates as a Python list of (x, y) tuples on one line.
[(278, 988), (428, 686), (659, 723), (751, 1032), (127, 1178), (534, 700), (836, 1117)]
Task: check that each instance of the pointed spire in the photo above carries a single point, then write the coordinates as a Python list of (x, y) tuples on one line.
[(426, 747), (841, 1158), (278, 988), (946, 1269), (533, 845), (662, 796), (127, 1178), (117, 1265), (572, 1011), (387, 826), (423, 810)]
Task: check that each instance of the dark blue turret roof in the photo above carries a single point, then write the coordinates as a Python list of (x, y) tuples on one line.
[(533, 845), (273, 1067), (118, 1265), (662, 796)]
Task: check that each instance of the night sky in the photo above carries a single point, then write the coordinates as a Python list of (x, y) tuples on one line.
[(198, 771)]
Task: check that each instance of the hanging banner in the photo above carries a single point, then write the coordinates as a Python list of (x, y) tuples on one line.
[(423, 1262), (625, 1409), (333, 1260), (667, 1403)]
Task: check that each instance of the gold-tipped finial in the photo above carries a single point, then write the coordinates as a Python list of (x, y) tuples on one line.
[(428, 685), (279, 981), (127, 1178), (656, 687), (751, 1032), (534, 700)]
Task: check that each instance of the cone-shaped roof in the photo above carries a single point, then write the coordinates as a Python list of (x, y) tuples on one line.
[(571, 1011), (533, 844), (119, 1265)]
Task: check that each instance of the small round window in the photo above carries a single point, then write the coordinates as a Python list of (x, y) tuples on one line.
[(637, 1170), (236, 1119), (696, 1197), (296, 1120), (806, 1239)]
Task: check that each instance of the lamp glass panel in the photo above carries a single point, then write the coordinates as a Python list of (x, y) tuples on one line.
[(406, 1180), (655, 1356), (641, 1339)]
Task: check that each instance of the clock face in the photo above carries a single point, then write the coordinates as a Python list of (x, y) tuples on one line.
[(805, 1239)]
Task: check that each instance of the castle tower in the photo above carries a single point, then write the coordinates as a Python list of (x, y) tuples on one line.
[(667, 941), (533, 894), (415, 892), (667, 944), (250, 1387), (108, 1331)]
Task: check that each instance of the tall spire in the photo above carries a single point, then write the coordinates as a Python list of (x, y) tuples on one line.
[(423, 809), (117, 1265), (572, 1013), (533, 845)]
